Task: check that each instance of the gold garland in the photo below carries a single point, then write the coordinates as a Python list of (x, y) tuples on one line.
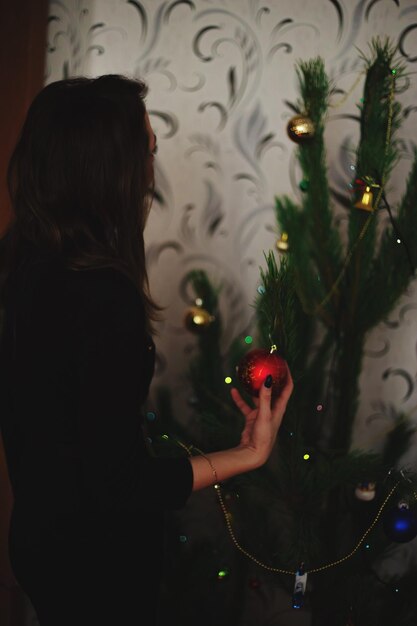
[(270, 568), (314, 570)]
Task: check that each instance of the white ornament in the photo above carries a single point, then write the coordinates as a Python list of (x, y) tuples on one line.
[(365, 491)]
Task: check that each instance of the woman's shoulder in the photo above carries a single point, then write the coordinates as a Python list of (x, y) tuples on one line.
[(51, 283), (103, 291), (101, 301)]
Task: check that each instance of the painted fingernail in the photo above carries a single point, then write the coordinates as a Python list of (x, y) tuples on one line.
[(268, 381)]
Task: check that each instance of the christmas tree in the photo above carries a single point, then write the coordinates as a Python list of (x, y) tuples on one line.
[(320, 517)]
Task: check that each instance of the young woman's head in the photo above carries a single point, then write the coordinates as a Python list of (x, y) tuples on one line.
[(81, 176)]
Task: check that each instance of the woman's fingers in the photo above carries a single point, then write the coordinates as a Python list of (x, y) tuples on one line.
[(240, 403), (262, 423), (280, 403), (265, 395), (272, 409)]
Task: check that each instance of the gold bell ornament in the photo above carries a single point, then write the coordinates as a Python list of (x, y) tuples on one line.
[(282, 243), (197, 320), (365, 203), (300, 128)]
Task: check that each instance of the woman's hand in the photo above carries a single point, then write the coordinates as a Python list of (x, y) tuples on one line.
[(257, 439), (262, 422)]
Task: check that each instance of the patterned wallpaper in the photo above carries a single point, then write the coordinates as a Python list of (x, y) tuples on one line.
[(220, 74)]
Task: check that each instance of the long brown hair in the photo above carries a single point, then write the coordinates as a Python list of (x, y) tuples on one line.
[(79, 179)]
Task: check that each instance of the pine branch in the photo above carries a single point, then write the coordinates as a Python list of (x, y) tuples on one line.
[(346, 387), (310, 289), (280, 315), (324, 245), (391, 272), (376, 155), (206, 369)]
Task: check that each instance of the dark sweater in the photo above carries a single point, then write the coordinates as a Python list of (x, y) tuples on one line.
[(75, 368)]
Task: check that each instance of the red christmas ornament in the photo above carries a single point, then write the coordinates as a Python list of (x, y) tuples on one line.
[(255, 366)]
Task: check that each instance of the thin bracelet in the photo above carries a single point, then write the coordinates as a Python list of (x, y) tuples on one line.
[(201, 453), (216, 480)]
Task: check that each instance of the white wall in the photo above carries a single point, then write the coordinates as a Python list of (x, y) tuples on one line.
[(213, 163)]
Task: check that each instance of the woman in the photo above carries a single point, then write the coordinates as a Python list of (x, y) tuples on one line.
[(77, 359)]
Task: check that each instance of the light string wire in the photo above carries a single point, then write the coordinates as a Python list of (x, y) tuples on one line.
[(399, 234), (348, 93), (279, 570), (366, 225)]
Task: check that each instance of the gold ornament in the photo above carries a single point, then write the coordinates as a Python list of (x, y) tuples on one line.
[(282, 243), (366, 200), (197, 319), (300, 128)]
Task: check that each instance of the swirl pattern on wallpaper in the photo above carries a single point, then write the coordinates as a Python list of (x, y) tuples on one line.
[(222, 87)]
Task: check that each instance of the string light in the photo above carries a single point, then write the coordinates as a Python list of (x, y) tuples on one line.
[(248, 339), (227, 380), (348, 92)]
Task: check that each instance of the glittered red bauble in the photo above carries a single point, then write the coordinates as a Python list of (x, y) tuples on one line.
[(255, 366)]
